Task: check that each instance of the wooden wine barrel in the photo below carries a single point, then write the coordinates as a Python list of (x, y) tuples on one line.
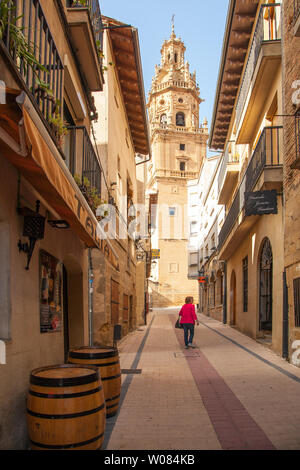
[(107, 359), (66, 408)]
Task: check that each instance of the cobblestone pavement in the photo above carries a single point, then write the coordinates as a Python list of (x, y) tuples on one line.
[(230, 392)]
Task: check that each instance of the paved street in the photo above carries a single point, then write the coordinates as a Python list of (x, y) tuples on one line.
[(229, 393)]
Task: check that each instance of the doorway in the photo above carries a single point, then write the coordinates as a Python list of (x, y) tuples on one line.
[(233, 299), (266, 286), (73, 305)]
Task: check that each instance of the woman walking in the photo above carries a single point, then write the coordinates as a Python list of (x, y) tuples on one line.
[(188, 319)]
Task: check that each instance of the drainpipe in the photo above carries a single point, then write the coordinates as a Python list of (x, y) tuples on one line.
[(285, 324), (90, 296), (225, 294)]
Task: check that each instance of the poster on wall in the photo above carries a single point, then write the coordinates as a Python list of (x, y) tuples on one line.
[(50, 293)]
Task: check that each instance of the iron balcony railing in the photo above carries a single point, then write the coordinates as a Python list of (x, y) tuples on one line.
[(81, 157), (228, 158), (95, 13), (267, 153), (31, 46), (268, 28), (296, 9)]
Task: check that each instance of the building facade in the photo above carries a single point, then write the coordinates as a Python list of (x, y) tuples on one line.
[(291, 176), (178, 144), (206, 219), (247, 126), (48, 221), (123, 141)]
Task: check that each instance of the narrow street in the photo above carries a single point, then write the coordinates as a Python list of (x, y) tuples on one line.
[(228, 393)]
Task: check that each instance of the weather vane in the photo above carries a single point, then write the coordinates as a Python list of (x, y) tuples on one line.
[(173, 17)]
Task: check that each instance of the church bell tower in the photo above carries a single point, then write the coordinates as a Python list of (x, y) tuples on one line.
[(178, 145)]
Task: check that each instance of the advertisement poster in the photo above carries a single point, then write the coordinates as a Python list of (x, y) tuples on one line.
[(50, 293)]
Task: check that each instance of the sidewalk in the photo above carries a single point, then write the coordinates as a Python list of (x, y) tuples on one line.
[(229, 393)]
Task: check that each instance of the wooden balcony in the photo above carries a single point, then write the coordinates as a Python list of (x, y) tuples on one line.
[(86, 32), (261, 69)]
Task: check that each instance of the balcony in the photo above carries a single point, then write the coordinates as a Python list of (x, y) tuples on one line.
[(264, 172), (297, 18), (228, 175), (84, 18), (83, 163), (190, 175), (261, 69), (36, 59)]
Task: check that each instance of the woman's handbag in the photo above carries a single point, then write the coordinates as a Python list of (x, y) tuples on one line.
[(178, 325)]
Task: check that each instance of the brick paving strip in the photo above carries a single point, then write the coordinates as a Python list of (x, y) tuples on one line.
[(235, 428)]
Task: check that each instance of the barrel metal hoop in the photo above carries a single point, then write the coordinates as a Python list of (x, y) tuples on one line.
[(67, 446), (111, 377), (67, 395), (64, 382), (112, 398), (69, 416), (82, 355)]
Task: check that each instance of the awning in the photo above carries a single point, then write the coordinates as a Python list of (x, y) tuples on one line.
[(26, 143)]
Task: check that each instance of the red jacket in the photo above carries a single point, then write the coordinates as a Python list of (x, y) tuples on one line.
[(188, 314)]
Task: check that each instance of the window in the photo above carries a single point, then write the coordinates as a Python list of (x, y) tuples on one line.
[(193, 228), (245, 284), (297, 301), (182, 166), (172, 211), (182, 146), (180, 119), (173, 268)]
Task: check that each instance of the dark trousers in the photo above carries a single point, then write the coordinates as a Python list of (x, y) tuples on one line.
[(188, 329)]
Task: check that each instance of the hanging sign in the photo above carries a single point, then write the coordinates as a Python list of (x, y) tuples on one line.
[(261, 202)]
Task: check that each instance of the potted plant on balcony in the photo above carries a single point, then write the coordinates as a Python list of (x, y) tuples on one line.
[(44, 92), (58, 126)]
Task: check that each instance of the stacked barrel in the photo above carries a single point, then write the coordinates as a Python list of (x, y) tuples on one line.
[(68, 404)]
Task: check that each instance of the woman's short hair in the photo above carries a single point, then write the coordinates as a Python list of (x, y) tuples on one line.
[(189, 300)]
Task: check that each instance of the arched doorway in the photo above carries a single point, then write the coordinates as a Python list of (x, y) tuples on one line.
[(265, 286), (72, 304), (233, 299)]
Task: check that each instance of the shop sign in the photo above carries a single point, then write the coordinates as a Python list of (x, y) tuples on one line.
[(155, 254), (261, 202), (50, 293)]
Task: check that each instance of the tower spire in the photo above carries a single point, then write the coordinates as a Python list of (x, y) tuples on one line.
[(173, 35)]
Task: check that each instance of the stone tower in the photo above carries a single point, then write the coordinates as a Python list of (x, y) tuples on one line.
[(178, 144)]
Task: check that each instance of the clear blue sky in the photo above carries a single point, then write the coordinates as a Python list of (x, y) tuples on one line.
[(199, 23)]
